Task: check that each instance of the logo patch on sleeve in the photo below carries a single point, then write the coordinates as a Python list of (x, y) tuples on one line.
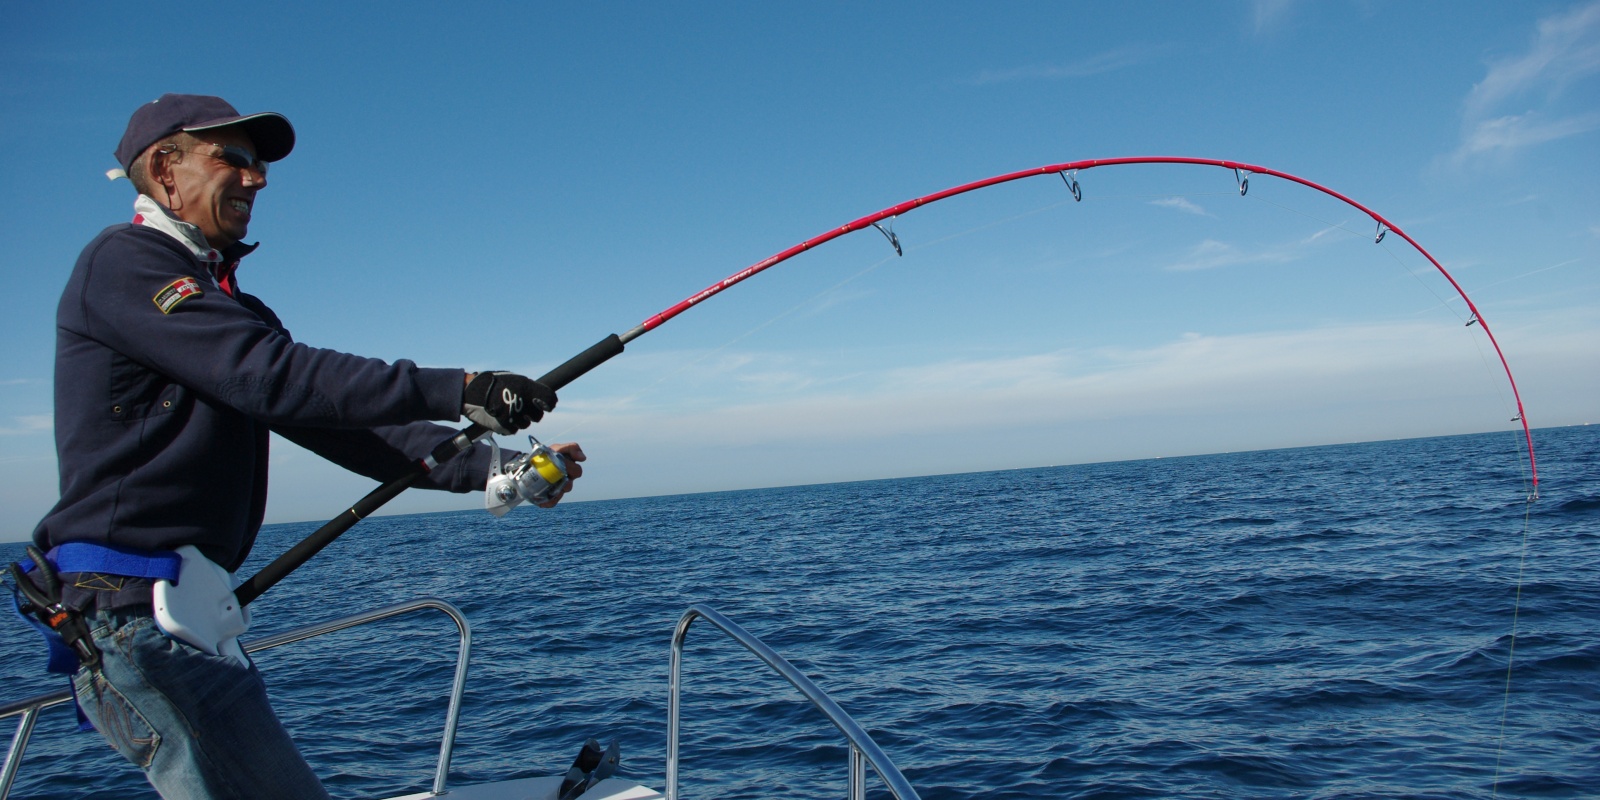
[(176, 292)]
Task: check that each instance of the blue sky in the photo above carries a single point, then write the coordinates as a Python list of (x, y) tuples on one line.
[(501, 185)]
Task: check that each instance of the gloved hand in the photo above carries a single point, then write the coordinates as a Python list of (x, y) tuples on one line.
[(505, 402)]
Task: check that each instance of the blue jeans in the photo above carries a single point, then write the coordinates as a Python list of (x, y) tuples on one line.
[(198, 725)]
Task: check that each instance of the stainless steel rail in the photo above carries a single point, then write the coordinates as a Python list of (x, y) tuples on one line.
[(861, 743), (30, 707)]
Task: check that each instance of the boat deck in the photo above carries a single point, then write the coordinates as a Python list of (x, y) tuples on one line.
[(541, 789)]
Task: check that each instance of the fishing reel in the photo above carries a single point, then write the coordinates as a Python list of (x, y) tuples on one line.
[(534, 477)]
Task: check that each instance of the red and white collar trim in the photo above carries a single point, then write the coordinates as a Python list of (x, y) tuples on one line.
[(151, 214)]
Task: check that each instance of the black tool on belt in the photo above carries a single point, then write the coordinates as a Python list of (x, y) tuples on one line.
[(45, 605)]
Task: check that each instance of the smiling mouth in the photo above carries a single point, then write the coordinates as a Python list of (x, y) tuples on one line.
[(240, 206)]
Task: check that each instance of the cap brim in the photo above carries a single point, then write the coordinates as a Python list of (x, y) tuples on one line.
[(270, 131)]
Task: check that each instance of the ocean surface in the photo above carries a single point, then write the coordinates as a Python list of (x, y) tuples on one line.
[(1327, 622)]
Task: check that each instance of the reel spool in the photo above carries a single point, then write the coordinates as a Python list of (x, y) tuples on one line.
[(533, 477)]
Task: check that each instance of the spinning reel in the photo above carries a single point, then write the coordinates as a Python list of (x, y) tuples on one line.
[(534, 477)]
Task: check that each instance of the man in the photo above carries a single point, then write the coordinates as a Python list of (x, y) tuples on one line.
[(168, 382)]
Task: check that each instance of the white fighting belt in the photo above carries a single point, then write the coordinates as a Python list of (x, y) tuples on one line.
[(200, 608)]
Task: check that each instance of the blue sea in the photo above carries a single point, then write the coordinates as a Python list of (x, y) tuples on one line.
[(1324, 622)]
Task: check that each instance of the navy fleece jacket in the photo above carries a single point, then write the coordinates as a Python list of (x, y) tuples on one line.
[(162, 409)]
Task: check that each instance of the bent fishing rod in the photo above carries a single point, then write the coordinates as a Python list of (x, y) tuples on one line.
[(612, 345)]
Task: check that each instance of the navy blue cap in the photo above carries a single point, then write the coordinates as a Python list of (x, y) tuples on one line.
[(270, 131)]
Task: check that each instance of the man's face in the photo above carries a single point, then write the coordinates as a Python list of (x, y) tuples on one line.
[(211, 194)]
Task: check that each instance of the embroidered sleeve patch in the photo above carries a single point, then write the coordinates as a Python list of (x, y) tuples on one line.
[(176, 292)]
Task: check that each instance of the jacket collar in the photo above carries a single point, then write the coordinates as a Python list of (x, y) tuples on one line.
[(149, 213)]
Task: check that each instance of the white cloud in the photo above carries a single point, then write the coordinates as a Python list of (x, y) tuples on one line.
[(1194, 393), (1315, 376), (1569, 262), (30, 424), (1506, 134), (1269, 13), (1566, 49), (1523, 100), (1182, 204), (1204, 370), (1101, 63), (1331, 229), (1212, 254)]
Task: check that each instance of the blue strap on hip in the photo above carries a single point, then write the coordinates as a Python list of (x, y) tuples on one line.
[(103, 558), (112, 559), (94, 557), (63, 661)]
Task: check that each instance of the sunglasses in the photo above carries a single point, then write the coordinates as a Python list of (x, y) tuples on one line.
[(232, 155)]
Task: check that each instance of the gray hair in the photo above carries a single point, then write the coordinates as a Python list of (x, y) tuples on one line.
[(139, 170)]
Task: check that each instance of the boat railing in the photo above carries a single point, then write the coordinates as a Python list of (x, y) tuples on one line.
[(29, 708), (863, 749)]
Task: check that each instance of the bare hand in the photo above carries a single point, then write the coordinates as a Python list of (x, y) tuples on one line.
[(573, 454)]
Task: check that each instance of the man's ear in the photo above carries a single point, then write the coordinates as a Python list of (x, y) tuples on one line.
[(159, 168)]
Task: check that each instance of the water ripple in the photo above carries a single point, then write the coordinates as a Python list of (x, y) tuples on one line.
[(1314, 623)]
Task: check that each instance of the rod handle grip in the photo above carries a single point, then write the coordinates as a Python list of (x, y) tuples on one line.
[(581, 363)]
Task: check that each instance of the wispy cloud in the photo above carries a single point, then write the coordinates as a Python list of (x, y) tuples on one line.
[(1190, 374), (1212, 254), (1523, 100), (1192, 393), (1268, 14), (1328, 231), (39, 423), (1506, 134), (1183, 205), (1565, 49), (1569, 262), (834, 298), (1109, 61)]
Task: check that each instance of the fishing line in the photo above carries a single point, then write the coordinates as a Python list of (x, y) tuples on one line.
[(1531, 494), (1516, 607), (614, 344), (1398, 262), (1507, 405), (1569, 262), (1068, 172), (1156, 196), (1505, 402), (703, 357), (812, 300), (1443, 301), (1511, 646), (979, 228)]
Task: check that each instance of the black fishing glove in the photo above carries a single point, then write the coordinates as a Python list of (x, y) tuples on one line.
[(505, 402)]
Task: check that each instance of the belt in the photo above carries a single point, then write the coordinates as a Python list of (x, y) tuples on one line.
[(110, 559), (107, 576), (98, 576)]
